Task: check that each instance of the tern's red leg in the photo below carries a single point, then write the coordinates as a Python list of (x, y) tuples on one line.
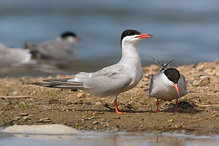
[(157, 106), (116, 108), (176, 106)]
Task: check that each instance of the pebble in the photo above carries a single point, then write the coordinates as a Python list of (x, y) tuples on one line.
[(95, 123), (23, 114), (98, 103), (200, 67), (202, 82), (171, 120), (81, 95), (45, 120), (117, 117), (22, 104), (16, 118), (26, 118)]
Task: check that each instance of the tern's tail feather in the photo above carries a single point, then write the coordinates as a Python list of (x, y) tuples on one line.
[(163, 65), (61, 83)]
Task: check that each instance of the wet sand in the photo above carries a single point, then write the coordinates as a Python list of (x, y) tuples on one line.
[(24, 103)]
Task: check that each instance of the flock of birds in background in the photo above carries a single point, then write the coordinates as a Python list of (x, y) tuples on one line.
[(50, 56), (167, 84)]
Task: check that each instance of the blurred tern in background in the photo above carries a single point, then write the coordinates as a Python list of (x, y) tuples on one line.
[(60, 52)]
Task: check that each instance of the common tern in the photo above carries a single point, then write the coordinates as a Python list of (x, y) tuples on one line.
[(60, 52), (111, 80), (168, 84)]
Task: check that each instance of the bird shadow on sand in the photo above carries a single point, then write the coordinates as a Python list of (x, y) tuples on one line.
[(127, 109), (112, 110), (183, 107)]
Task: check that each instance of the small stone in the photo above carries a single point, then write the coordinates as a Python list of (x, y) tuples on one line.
[(117, 117), (171, 120), (14, 92), (204, 81), (98, 103), (200, 66), (195, 83), (95, 123), (22, 104), (23, 114), (45, 120), (26, 118), (81, 95), (16, 118)]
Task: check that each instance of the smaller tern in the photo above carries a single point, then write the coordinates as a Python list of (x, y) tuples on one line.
[(168, 84), (111, 80), (60, 52)]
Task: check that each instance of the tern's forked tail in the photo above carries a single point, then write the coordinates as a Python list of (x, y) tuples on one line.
[(163, 65), (61, 83)]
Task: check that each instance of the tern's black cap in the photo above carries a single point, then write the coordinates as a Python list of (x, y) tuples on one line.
[(172, 74), (67, 34), (129, 32)]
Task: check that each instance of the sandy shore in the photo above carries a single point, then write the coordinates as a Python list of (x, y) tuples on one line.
[(24, 103)]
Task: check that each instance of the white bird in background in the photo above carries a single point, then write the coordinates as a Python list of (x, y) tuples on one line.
[(17, 59), (13, 56), (111, 80), (60, 52), (168, 84)]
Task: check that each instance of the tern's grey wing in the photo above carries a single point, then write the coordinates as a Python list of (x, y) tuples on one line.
[(110, 71), (152, 82), (107, 81), (106, 85), (99, 85), (184, 83), (57, 50)]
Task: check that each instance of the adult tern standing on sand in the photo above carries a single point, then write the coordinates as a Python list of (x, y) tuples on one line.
[(168, 84), (60, 52), (111, 80)]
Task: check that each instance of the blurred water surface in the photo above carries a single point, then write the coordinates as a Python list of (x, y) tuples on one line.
[(86, 138), (186, 31)]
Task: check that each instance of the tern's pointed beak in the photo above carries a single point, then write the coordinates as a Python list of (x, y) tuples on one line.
[(78, 39), (143, 35), (176, 87)]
